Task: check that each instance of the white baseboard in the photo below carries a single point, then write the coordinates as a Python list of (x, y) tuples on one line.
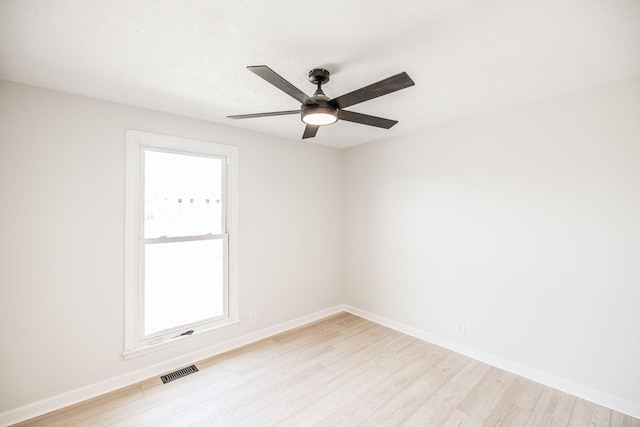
[(75, 396), (617, 404)]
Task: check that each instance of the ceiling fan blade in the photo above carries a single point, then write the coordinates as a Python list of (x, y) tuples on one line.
[(274, 113), (366, 119), (275, 79), (383, 87), (310, 131)]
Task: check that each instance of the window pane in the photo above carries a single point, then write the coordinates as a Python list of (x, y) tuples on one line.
[(184, 283), (182, 194)]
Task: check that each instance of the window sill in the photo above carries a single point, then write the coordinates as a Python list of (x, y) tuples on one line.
[(151, 348)]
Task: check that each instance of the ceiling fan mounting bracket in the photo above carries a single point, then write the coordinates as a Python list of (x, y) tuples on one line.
[(319, 76)]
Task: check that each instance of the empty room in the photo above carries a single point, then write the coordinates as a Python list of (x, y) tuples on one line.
[(416, 213)]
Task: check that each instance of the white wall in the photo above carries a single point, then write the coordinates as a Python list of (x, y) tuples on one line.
[(62, 160), (523, 224)]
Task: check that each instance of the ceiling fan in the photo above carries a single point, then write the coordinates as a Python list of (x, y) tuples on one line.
[(319, 110)]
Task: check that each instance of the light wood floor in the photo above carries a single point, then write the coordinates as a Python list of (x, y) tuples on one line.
[(341, 371)]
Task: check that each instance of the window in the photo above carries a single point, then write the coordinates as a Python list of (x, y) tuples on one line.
[(181, 240)]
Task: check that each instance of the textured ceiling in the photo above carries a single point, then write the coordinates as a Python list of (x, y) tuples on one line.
[(189, 57)]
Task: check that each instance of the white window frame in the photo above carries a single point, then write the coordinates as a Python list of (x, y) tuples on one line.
[(135, 343)]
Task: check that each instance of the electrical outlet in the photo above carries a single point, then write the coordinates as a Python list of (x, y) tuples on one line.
[(253, 317), (460, 328)]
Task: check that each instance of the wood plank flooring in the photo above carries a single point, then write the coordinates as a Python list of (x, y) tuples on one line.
[(340, 371)]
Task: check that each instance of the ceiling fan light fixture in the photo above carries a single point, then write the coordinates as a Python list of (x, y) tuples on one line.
[(319, 116)]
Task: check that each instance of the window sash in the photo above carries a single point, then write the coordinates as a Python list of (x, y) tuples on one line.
[(170, 333), (224, 184)]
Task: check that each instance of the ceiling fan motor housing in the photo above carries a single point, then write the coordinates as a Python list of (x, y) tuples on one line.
[(320, 111)]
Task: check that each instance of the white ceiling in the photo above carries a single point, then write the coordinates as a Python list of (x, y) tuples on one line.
[(189, 57)]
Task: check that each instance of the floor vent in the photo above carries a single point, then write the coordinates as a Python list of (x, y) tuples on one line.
[(178, 374)]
